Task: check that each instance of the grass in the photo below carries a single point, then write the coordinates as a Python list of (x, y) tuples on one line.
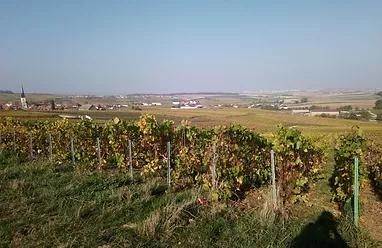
[(50, 205)]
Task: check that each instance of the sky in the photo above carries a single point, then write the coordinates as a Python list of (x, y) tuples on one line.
[(124, 47)]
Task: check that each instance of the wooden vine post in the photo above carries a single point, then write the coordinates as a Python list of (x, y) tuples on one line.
[(30, 146), (356, 192), (168, 163), (50, 146), (130, 159), (98, 151), (1, 147), (213, 167), (273, 171), (14, 141), (72, 150)]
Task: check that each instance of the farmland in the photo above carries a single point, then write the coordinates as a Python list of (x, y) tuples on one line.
[(263, 121)]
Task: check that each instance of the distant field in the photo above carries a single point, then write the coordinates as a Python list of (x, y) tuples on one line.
[(263, 121), (335, 100)]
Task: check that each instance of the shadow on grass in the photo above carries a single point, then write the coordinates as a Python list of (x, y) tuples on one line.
[(322, 233)]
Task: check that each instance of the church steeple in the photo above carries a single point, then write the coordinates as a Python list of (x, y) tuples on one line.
[(23, 100), (22, 92)]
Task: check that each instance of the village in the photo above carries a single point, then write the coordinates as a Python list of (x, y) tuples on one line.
[(275, 102)]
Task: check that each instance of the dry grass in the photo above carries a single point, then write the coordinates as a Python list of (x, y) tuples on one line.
[(164, 221)]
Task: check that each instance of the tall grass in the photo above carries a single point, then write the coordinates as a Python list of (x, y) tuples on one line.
[(48, 205)]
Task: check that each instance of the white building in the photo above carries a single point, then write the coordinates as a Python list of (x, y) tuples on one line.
[(323, 112), (300, 111)]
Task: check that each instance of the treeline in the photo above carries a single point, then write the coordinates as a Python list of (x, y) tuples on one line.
[(6, 92)]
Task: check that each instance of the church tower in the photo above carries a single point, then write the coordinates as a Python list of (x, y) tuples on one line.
[(23, 100)]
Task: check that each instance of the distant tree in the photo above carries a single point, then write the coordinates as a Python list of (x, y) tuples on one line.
[(379, 117), (353, 116), (269, 107), (304, 99), (345, 108), (378, 104), (137, 108), (379, 93), (315, 107), (6, 91), (52, 104), (365, 115), (327, 116)]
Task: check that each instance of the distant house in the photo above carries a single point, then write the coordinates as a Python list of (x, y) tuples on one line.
[(156, 104), (87, 107), (7, 106), (41, 106), (324, 112)]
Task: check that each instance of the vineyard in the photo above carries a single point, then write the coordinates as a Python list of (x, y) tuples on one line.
[(228, 161)]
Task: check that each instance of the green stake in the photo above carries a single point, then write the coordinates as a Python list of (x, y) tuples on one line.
[(356, 192)]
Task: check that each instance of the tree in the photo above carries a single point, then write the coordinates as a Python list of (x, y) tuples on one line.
[(378, 104), (304, 99), (379, 93), (365, 115), (52, 104), (345, 108), (6, 91)]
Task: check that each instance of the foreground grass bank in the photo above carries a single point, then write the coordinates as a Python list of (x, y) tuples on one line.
[(50, 205)]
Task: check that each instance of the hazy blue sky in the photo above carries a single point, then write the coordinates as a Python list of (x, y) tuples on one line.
[(109, 47)]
